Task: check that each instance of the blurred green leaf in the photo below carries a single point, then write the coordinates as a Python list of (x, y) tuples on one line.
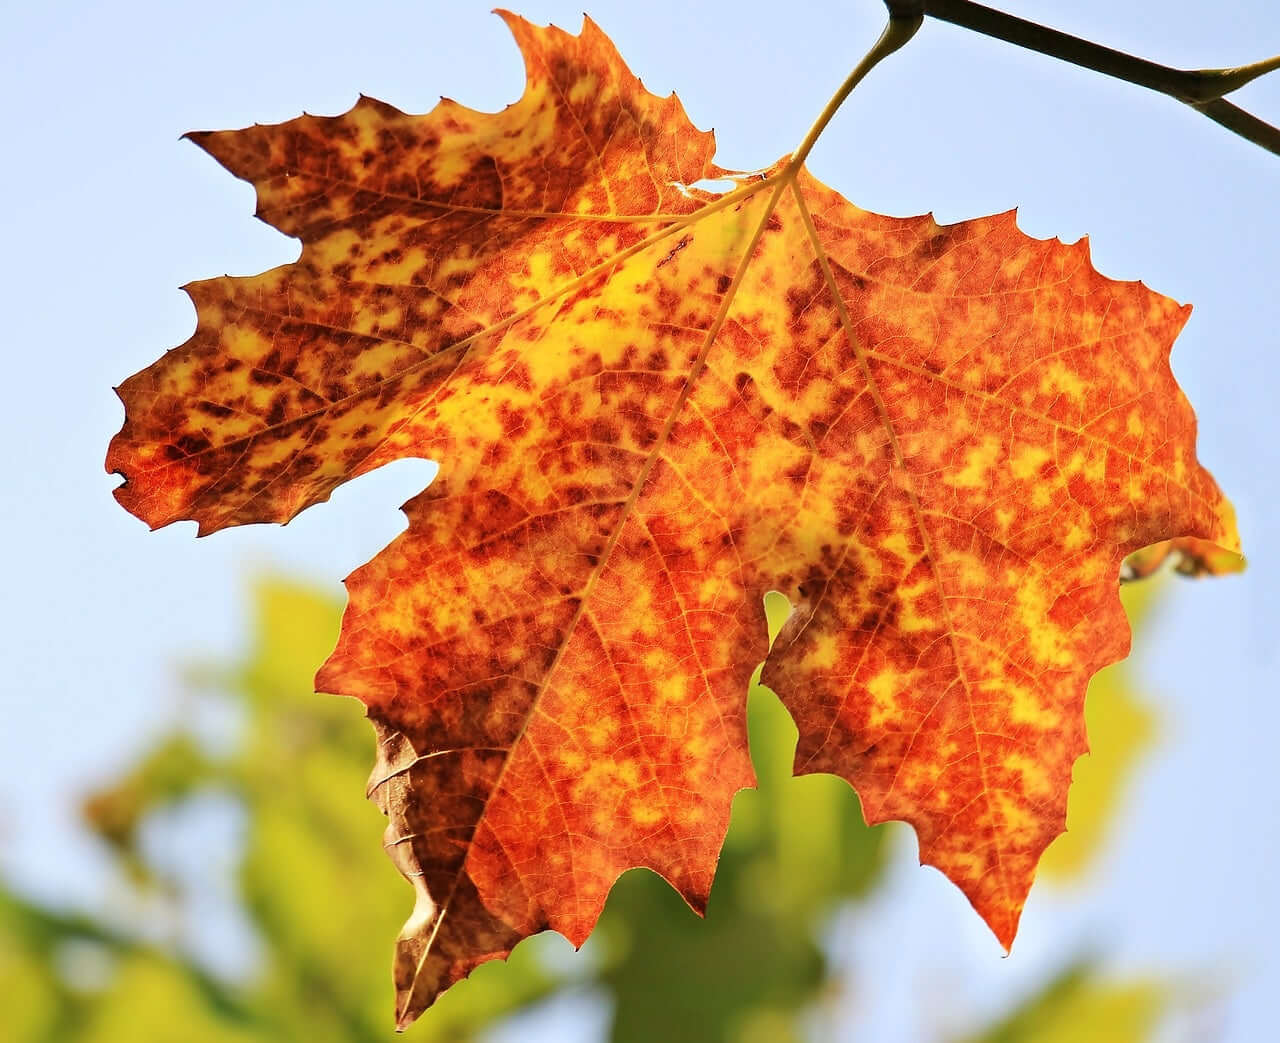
[(171, 772), (1077, 1007)]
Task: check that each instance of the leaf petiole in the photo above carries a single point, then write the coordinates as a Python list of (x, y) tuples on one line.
[(901, 27)]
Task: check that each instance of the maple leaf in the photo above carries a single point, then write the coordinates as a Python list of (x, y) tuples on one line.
[(651, 405)]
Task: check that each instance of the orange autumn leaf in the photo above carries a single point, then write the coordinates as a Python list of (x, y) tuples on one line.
[(651, 405)]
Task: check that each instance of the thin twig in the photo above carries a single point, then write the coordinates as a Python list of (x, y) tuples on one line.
[(1202, 89)]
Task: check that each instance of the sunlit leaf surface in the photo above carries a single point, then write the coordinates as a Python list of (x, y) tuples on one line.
[(651, 406)]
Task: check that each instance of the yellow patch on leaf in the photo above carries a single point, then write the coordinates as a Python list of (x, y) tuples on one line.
[(651, 405), (1121, 727)]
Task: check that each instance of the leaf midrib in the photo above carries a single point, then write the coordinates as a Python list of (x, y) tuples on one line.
[(780, 181), (925, 538)]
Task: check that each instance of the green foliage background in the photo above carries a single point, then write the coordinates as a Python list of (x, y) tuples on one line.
[(326, 903)]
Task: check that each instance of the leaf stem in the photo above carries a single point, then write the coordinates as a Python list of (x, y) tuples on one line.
[(900, 29), (1202, 89)]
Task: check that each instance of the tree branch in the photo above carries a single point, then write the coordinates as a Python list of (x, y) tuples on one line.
[(1202, 89)]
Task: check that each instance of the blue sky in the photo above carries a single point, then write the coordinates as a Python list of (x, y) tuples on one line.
[(106, 213)]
